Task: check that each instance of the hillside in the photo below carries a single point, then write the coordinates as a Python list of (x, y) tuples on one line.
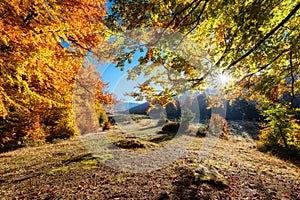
[(67, 170)]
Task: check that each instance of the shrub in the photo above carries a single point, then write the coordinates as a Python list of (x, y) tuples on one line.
[(171, 127), (102, 117), (187, 115), (218, 126), (41, 126), (35, 135), (63, 128), (202, 131), (107, 126), (281, 131)]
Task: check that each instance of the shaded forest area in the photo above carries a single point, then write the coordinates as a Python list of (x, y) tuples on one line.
[(239, 109)]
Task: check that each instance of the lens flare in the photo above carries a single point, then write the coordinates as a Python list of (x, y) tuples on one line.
[(224, 78)]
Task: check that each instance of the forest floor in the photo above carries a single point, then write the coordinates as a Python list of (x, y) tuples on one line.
[(77, 169)]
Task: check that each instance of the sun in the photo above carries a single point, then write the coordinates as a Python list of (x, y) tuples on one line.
[(220, 80), (223, 78)]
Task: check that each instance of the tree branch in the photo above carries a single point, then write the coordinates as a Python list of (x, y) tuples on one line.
[(267, 65), (197, 24), (174, 19), (265, 37), (181, 11), (190, 12), (198, 18)]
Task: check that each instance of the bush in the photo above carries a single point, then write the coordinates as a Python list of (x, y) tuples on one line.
[(102, 117), (202, 131), (63, 128), (187, 115), (171, 127), (218, 126), (107, 126), (280, 132), (41, 126)]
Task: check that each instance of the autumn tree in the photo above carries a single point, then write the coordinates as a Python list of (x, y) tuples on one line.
[(42, 46), (255, 42), (89, 97)]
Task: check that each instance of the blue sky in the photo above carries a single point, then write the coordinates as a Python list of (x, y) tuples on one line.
[(118, 83)]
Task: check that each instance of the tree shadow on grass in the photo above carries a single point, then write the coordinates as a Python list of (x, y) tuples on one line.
[(292, 154), (162, 137), (187, 187), (79, 158)]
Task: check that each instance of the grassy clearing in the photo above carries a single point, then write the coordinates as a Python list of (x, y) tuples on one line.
[(67, 170)]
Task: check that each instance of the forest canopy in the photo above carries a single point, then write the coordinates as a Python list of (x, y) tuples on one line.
[(254, 42)]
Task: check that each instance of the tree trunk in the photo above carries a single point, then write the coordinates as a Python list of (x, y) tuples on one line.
[(283, 137)]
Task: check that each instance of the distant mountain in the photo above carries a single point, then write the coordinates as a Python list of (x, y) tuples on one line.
[(140, 109), (125, 106), (172, 110), (240, 109)]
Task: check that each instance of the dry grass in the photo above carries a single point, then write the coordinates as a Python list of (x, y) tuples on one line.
[(67, 170)]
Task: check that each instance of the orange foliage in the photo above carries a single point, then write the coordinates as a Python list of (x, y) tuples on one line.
[(218, 126), (37, 71)]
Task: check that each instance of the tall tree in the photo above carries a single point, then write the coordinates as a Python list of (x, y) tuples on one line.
[(42, 46)]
